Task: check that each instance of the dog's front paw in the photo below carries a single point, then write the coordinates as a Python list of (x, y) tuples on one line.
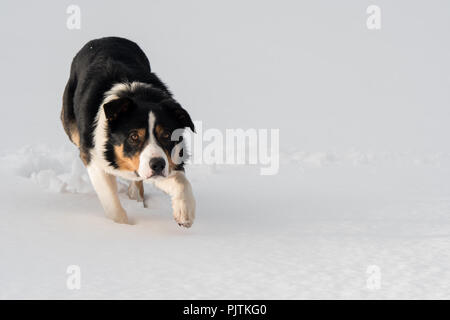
[(118, 217), (122, 220), (184, 211)]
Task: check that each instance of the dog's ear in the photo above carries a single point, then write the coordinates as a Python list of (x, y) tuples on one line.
[(182, 117), (115, 107)]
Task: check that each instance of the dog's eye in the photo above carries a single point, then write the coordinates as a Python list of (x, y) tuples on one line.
[(133, 137), (165, 135)]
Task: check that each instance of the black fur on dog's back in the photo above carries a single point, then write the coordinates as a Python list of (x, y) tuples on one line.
[(99, 65)]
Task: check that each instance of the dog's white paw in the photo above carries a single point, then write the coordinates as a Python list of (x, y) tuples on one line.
[(122, 220), (184, 211)]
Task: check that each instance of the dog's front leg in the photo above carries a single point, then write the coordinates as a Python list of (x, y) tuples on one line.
[(180, 191), (106, 187)]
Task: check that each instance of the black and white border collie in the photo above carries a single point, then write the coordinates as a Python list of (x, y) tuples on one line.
[(121, 117)]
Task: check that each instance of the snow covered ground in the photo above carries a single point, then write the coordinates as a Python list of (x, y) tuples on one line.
[(312, 231)]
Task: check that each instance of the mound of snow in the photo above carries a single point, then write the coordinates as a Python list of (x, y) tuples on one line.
[(55, 170)]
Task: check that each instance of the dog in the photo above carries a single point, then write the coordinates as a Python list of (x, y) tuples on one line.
[(126, 123)]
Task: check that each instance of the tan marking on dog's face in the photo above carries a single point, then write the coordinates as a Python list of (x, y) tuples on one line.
[(169, 158), (126, 163), (163, 134)]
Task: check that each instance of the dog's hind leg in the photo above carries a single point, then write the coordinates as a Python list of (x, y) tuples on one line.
[(136, 191)]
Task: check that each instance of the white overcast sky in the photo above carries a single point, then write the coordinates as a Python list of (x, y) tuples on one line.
[(310, 68)]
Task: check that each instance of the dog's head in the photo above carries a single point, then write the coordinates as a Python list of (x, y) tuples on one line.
[(145, 137)]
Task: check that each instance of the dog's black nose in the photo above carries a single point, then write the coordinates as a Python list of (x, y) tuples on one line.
[(157, 165)]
